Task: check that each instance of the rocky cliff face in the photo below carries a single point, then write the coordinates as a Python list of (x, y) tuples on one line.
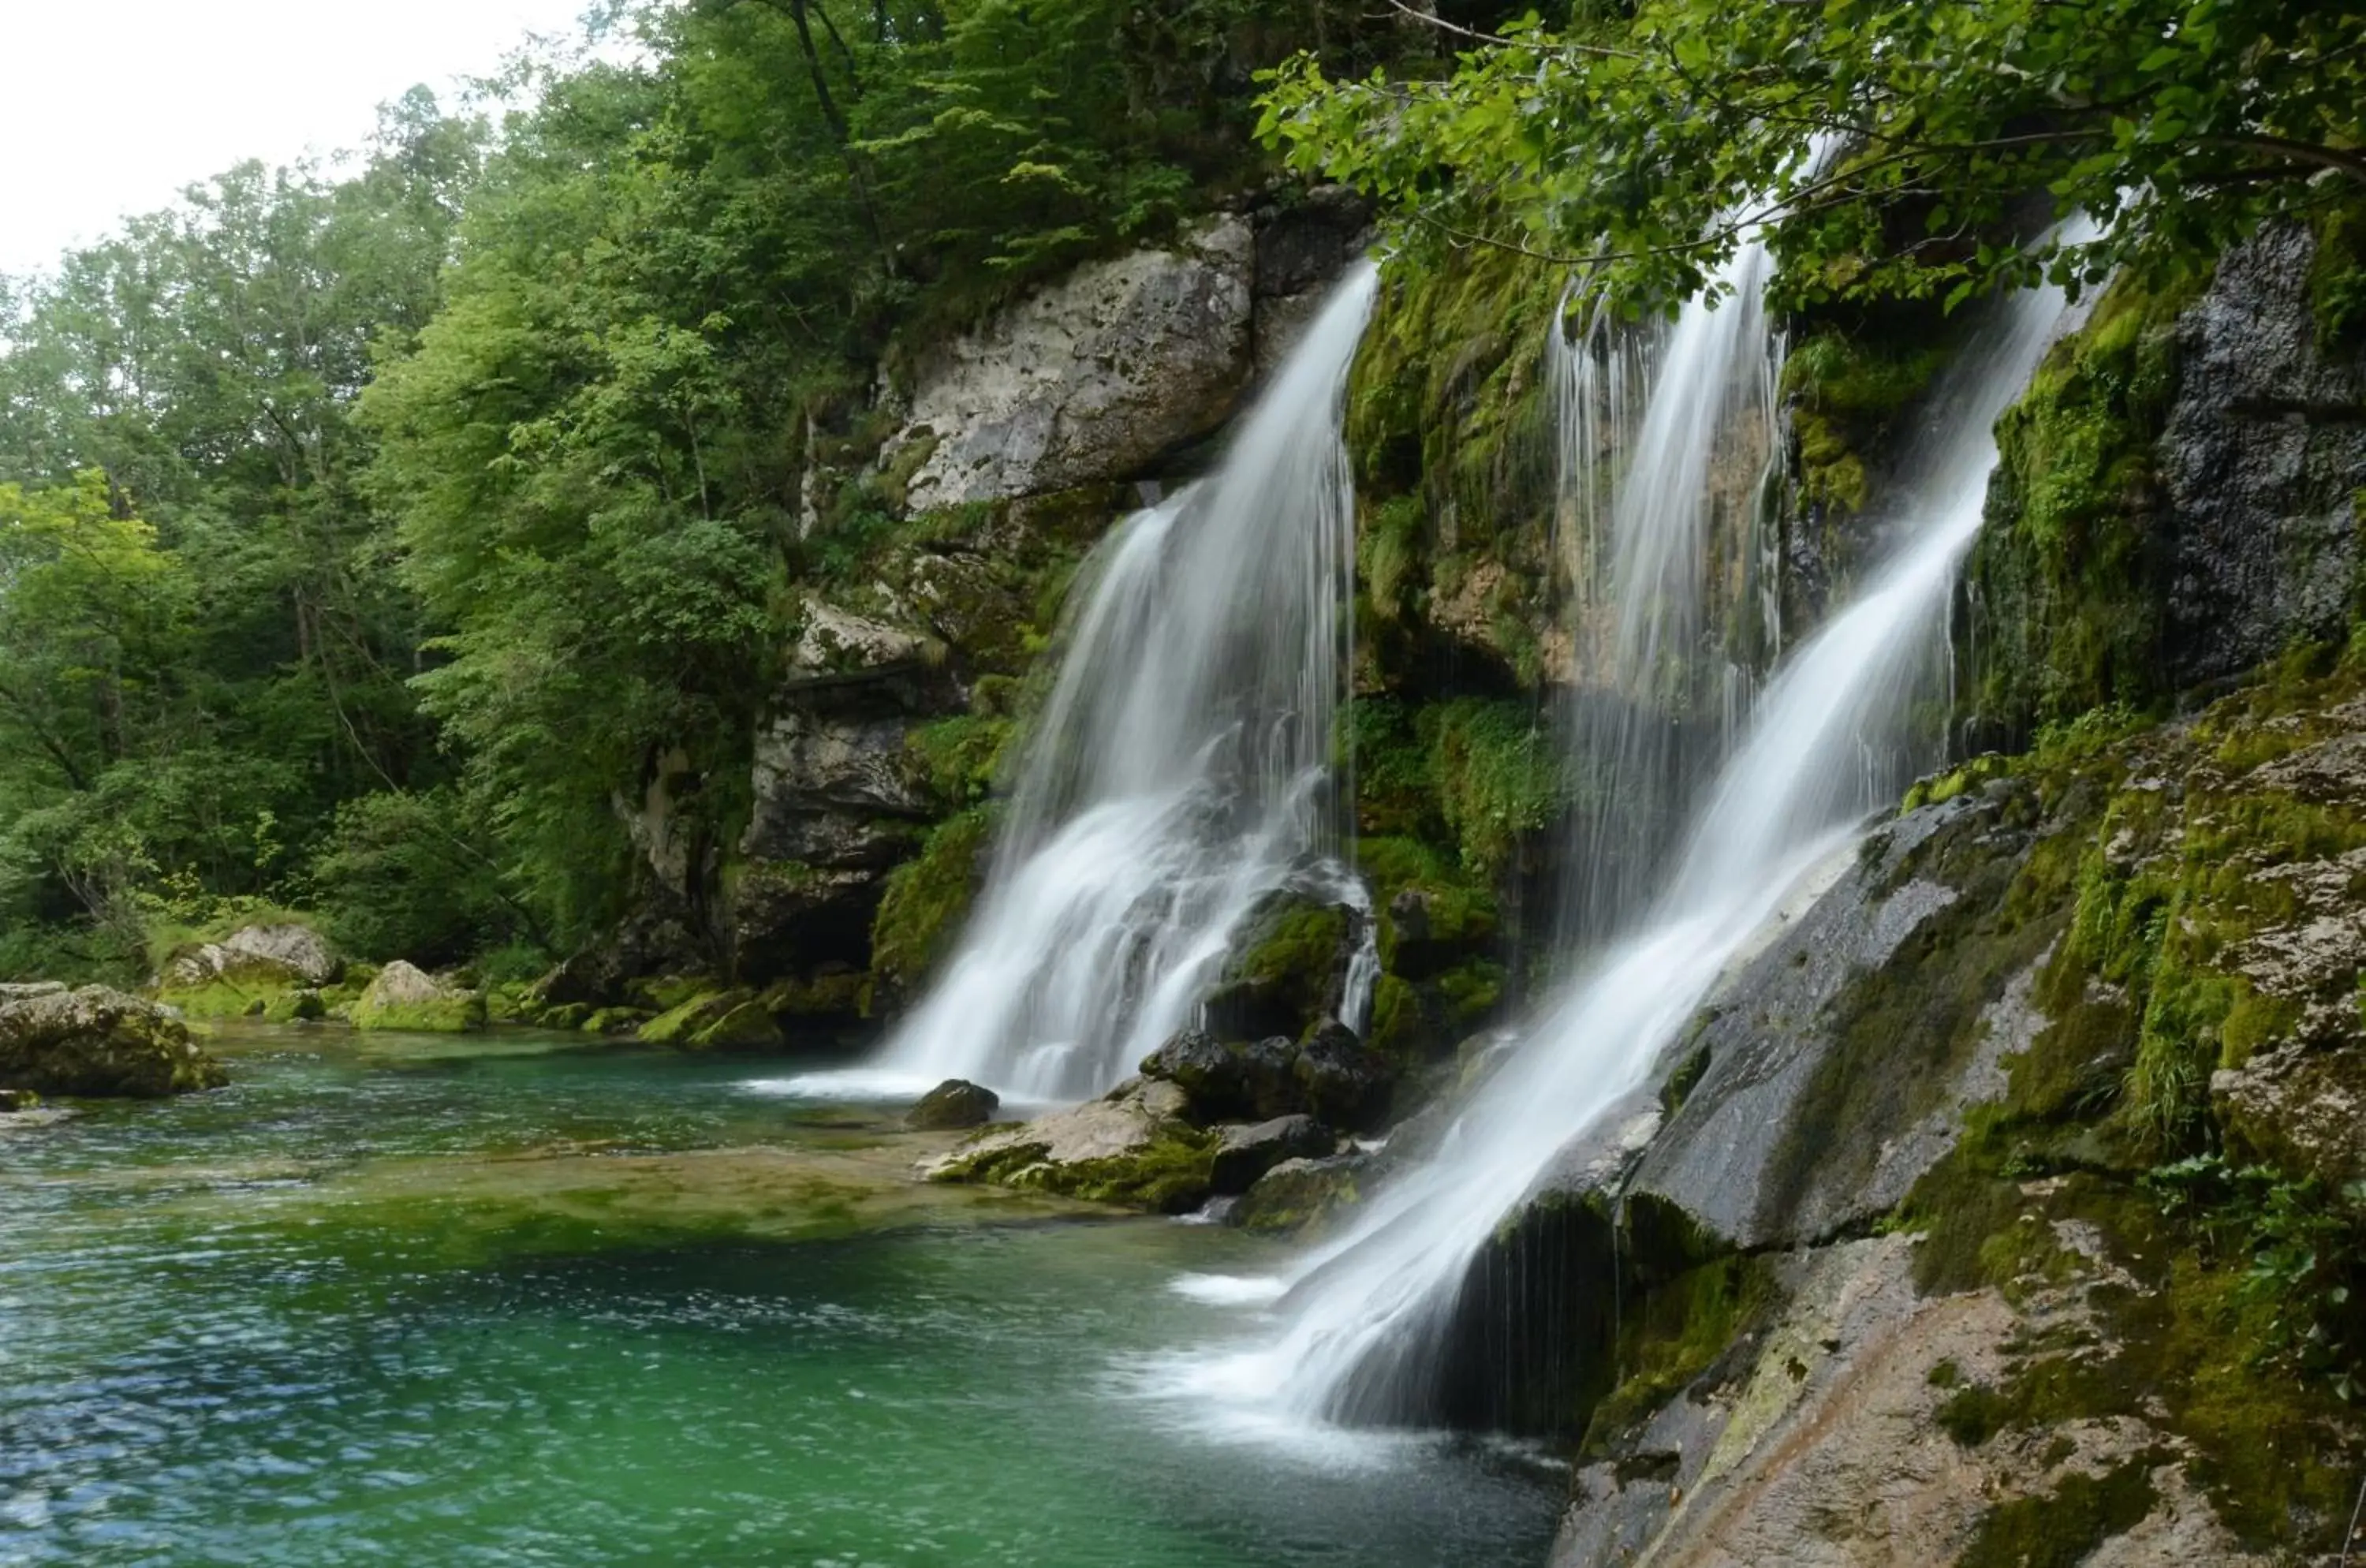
[(2179, 497)]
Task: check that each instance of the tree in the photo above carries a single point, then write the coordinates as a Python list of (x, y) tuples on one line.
[(1638, 142)]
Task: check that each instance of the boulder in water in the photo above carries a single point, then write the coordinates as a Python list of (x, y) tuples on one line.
[(954, 1104), (15, 1100), (1244, 1153), (403, 996), (1296, 1193), (1136, 1148), (98, 1042)]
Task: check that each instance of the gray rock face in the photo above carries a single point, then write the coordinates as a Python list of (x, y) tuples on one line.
[(98, 1042), (1091, 378), (1729, 1157), (837, 801), (2264, 450), (1822, 1445)]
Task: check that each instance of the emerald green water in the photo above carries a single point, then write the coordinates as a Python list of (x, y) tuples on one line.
[(419, 1302)]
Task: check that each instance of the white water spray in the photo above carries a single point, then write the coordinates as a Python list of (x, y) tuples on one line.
[(1180, 771), (1361, 1330)]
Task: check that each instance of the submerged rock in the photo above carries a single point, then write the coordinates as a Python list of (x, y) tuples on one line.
[(402, 996), (98, 1042), (952, 1105)]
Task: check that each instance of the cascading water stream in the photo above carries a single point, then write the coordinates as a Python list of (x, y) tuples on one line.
[(1180, 771), (1665, 439), (1360, 1326)]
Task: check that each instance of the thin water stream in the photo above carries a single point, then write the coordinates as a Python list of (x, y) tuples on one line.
[(419, 1301)]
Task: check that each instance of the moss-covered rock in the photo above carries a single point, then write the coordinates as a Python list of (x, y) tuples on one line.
[(254, 970), (98, 1043), (733, 1020), (1287, 969), (1299, 1195), (952, 1106), (926, 900), (404, 996), (1134, 1148)]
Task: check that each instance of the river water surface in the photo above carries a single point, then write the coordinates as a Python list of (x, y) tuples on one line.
[(505, 1300)]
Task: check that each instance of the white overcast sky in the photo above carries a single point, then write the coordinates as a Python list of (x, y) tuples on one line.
[(109, 106)]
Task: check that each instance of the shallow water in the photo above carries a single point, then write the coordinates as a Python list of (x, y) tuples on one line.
[(418, 1300)]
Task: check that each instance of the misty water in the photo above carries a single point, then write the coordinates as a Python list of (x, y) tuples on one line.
[(505, 1298)]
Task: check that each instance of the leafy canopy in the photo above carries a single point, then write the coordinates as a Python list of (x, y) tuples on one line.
[(1640, 141)]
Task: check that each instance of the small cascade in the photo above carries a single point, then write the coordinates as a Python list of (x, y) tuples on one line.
[(1666, 440), (1180, 771), (1362, 1326)]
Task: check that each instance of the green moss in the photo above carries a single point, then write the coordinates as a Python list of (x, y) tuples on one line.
[(2071, 617), (1295, 945), (835, 996), (1683, 1081), (2062, 1528), (1471, 990), (2336, 279), (959, 756), (925, 901), (1672, 1333), (614, 1020), (1401, 1029), (1499, 778), (733, 1020), (1947, 786), (1171, 1174), (296, 1006), (457, 1013), (1845, 391)]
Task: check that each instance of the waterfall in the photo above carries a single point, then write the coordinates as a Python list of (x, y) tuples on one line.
[(1666, 441), (1180, 770), (1360, 1325)]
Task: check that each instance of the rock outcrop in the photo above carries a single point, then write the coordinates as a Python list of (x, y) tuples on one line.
[(272, 971), (2179, 497), (97, 1042), (1092, 379)]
